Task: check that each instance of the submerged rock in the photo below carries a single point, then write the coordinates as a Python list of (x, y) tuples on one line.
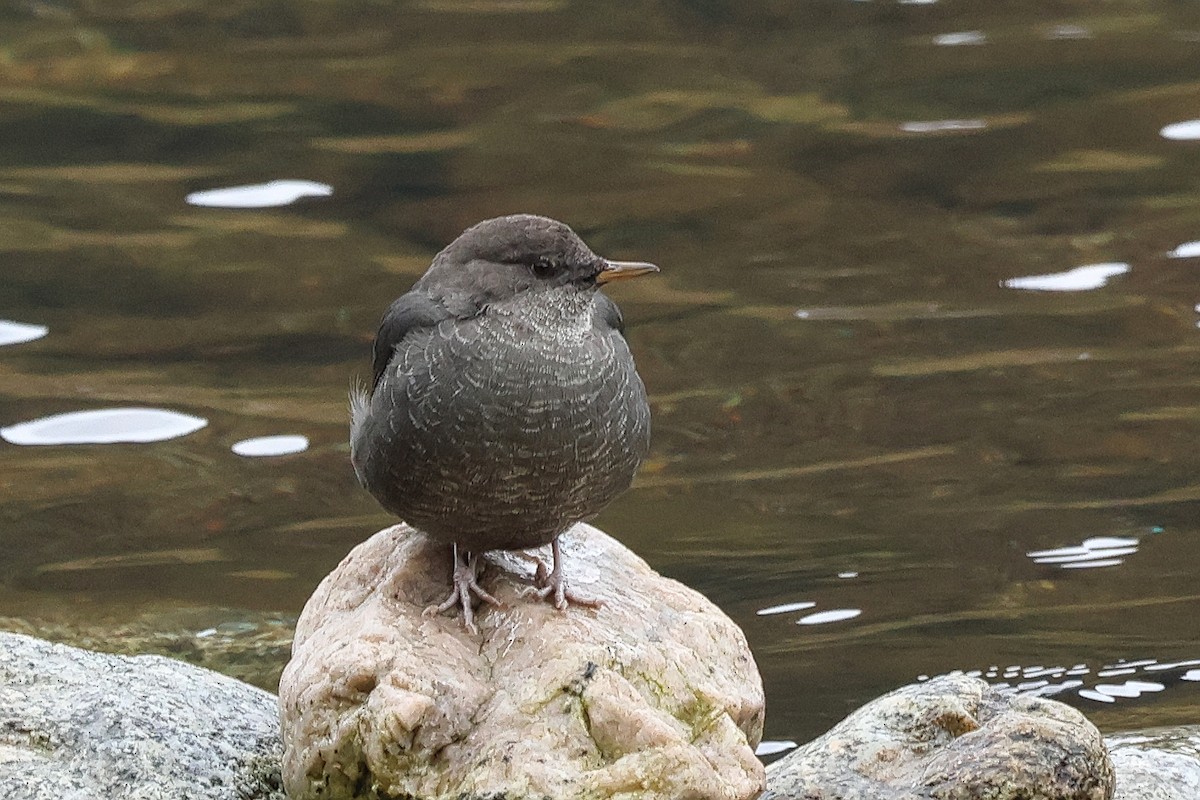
[(653, 696), (951, 738), (249, 645), (91, 726)]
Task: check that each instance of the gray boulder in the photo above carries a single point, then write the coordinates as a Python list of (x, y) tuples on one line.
[(79, 725), (951, 738), (1157, 764)]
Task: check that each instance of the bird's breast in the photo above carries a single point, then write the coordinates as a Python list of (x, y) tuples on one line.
[(504, 429)]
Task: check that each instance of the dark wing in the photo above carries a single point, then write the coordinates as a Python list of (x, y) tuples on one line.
[(608, 315), (410, 312)]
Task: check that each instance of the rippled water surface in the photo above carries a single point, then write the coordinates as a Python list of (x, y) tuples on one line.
[(923, 354)]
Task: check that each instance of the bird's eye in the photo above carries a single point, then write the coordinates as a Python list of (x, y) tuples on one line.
[(543, 268)]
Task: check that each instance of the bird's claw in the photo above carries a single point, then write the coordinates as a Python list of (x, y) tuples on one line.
[(465, 588), (564, 596), (553, 584)]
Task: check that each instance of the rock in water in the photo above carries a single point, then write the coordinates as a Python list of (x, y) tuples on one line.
[(951, 738), (1157, 764), (653, 696), (78, 725)]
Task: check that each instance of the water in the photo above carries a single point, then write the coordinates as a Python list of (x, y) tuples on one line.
[(843, 384)]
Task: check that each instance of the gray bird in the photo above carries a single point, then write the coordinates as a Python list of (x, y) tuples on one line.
[(505, 405)]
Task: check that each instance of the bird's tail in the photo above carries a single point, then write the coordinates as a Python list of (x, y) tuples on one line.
[(360, 405)]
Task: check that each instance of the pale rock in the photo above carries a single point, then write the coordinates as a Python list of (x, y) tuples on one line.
[(951, 738), (654, 696)]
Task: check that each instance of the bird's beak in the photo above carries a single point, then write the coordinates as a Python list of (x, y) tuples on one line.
[(620, 270)]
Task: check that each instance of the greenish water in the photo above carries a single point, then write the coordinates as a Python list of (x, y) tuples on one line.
[(841, 381)]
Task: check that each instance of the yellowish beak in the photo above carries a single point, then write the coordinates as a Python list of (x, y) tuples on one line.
[(620, 270)]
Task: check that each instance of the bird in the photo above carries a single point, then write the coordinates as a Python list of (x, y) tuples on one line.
[(504, 404)]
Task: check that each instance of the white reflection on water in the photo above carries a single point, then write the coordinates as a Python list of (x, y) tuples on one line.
[(1043, 681), (1069, 32), (939, 125), (769, 747), (1098, 551), (959, 38), (1116, 673), (104, 426), (1182, 131), (260, 195), (833, 615), (1186, 250), (1145, 662), (262, 446), (1051, 689), (1080, 279), (785, 608), (1157, 667), (20, 332), (1068, 555), (1094, 564), (1129, 689)]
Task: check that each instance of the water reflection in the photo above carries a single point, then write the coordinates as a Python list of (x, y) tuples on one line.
[(1182, 131), (20, 332), (1069, 32), (960, 38), (1080, 279), (261, 195), (1129, 690), (104, 426), (785, 608), (1186, 250), (833, 615), (941, 125), (124, 561), (1056, 681), (1098, 551), (263, 446), (770, 747)]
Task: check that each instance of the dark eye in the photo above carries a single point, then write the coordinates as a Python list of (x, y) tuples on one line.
[(543, 268)]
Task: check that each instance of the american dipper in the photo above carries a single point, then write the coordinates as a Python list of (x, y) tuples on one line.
[(505, 405)]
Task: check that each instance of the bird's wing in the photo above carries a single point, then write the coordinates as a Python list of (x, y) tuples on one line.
[(410, 312), (607, 313)]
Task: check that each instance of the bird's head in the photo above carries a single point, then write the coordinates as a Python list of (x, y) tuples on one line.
[(500, 258)]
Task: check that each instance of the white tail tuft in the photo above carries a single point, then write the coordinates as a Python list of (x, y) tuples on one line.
[(360, 406)]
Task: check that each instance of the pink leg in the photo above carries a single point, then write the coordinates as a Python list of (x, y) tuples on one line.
[(465, 584), (554, 585)]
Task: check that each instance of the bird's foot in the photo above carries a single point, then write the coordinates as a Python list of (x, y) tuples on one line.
[(552, 585), (465, 589), (558, 592)]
